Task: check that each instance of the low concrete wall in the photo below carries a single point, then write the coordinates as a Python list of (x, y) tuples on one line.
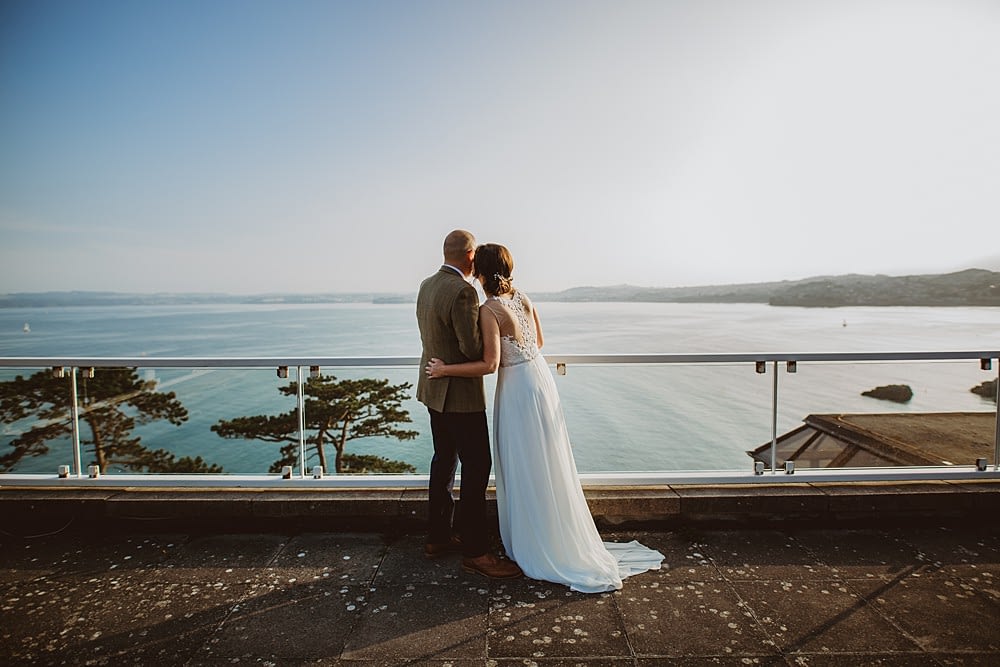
[(34, 511)]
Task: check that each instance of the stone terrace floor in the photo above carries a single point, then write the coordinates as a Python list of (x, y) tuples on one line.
[(726, 596)]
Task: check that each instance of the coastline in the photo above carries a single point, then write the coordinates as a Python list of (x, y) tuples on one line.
[(970, 287)]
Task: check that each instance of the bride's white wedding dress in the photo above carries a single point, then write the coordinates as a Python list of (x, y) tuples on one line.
[(545, 523)]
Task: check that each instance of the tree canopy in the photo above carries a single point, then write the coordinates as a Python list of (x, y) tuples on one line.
[(112, 403), (336, 412)]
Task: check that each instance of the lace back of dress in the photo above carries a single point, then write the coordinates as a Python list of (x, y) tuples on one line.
[(518, 341)]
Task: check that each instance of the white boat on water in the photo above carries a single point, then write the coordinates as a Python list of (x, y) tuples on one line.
[(27, 329)]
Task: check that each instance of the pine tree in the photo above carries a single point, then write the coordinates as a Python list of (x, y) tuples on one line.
[(336, 412), (112, 403)]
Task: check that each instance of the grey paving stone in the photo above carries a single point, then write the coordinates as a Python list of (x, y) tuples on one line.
[(865, 553), (670, 618), (821, 616), (751, 555), (352, 558), (975, 559), (127, 618), (968, 659), (604, 661), (24, 560), (90, 613), (34, 617), (405, 563), (293, 623), (943, 613), (863, 660), (536, 619), (430, 662), (209, 553), (421, 622), (957, 552), (219, 661), (727, 661), (684, 557), (894, 596)]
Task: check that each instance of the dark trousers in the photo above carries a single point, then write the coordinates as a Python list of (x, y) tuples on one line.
[(459, 437)]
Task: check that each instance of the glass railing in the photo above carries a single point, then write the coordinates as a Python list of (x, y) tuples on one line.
[(633, 419)]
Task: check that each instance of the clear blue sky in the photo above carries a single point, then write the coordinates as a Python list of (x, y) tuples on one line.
[(312, 146)]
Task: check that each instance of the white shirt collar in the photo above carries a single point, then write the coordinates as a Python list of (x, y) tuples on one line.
[(459, 272)]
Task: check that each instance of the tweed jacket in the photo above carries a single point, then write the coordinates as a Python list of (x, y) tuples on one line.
[(448, 318)]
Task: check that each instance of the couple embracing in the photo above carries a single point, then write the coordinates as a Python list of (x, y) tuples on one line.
[(546, 527)]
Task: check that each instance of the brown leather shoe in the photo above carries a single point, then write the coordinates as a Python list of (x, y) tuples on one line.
[(490, 566), (435, 549)]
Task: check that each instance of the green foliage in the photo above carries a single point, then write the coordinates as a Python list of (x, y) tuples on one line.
[(987, 390), (336, 412), (361, 464), (112, 404)]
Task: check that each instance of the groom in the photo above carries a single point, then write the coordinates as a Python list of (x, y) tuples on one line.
[(448, 318)]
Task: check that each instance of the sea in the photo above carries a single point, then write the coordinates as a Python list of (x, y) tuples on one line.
[(621, 418)]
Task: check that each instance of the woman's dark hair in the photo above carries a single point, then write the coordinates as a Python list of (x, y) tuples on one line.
[(495, 265)]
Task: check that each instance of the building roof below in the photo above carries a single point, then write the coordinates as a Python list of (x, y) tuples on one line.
[(876, 440)]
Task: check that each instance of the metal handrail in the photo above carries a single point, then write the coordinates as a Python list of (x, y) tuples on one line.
[(761, 360), (385, 361), (276, 482)]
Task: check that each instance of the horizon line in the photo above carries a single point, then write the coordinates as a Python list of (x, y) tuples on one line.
[(413, 291)]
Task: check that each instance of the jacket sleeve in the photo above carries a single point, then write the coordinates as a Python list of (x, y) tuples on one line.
[(465, 320)]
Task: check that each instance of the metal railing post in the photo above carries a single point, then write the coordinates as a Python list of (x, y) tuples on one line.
[(774, 420), (996, 424), (74, 412), (302, 423)]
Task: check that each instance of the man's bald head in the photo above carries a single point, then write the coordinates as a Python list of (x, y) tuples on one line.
[(459, 250), (457, 246)]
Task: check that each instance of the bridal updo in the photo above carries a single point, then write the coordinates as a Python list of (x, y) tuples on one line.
[(494, 266)]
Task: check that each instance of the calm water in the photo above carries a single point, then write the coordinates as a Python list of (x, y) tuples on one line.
[(681, 417)]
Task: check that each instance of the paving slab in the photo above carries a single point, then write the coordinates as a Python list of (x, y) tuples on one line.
[(28, 559), (863, 552), (346, 558), (34, 618), (908, 595), (282, 624), (536, 619), (818, 617), (671, 619), (753, 555), (684, 558), (421, 622), (927, 605), (405, 564), (129, 620)]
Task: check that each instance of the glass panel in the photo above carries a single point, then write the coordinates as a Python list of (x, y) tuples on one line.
[(210, 395), (214, 397), (621, 417), (416, 452), (829, 390), (665, 417), (166, 420), (34, 439)]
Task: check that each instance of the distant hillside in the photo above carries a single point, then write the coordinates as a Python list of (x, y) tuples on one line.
[(972, 287)]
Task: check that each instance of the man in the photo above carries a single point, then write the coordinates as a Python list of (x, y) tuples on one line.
[(448, 318)]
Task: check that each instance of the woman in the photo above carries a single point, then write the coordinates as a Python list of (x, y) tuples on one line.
[(545, 523)]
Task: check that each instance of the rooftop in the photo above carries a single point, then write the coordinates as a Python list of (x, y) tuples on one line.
[(891, 574), (885, 440)]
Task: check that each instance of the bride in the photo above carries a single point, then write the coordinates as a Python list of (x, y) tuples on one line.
[(545, 524)]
